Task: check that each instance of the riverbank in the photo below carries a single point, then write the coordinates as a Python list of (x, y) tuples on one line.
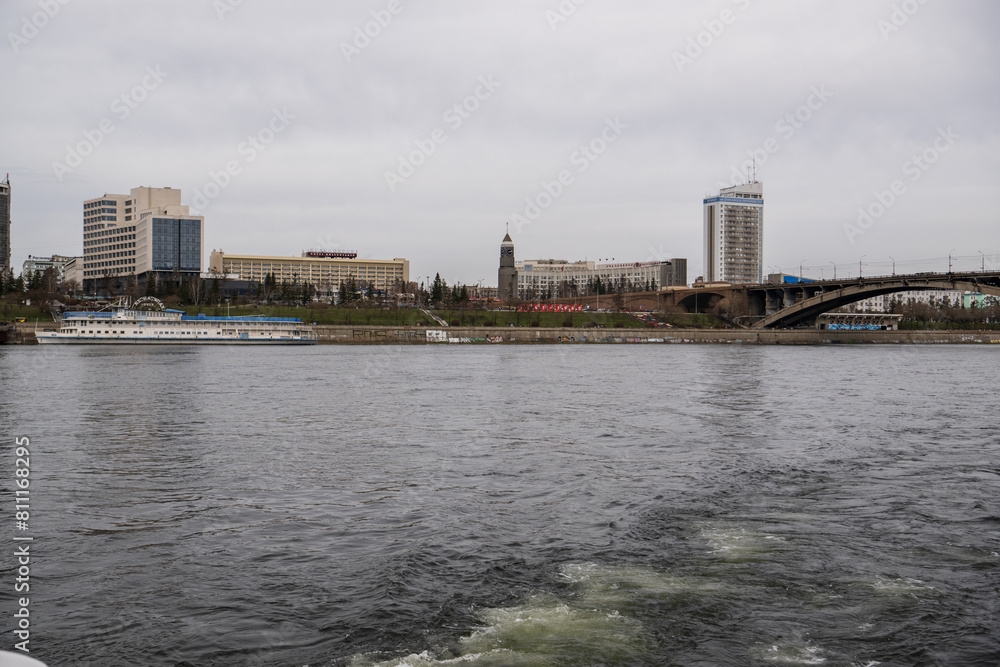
[(24, 333), (529, 335)]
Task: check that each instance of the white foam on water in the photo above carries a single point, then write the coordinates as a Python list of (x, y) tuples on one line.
[(901, 586), (733, 542), (425, 659), (544, 631), (547, 626), (589, 623), (618, 586), (792, 654)]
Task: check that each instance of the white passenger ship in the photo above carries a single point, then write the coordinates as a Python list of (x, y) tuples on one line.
[(134, 324)]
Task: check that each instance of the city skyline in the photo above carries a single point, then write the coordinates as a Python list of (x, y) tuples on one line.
[(593, 130)]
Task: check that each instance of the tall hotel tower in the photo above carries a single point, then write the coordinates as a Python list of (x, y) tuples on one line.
[(734, 235), (5, 227)]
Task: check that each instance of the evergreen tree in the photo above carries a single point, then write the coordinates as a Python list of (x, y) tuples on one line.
[(463, 296), (270, 285), (352, 289), (184, 292), (437, 289)]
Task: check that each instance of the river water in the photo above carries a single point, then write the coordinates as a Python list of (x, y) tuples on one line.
[(507, 505)]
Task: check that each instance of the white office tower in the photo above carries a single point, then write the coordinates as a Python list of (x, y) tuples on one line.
[(734, 235)]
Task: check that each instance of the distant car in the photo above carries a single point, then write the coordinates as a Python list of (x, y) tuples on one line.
[(19, 319)]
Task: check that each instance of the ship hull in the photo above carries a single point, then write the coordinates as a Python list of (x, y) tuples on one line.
[(90, 340)]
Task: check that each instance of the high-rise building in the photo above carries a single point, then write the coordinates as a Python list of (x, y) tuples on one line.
[(146, 234), (734, 234), (507, 276), (5, 195)]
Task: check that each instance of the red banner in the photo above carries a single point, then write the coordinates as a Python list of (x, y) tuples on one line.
[(550, 308)]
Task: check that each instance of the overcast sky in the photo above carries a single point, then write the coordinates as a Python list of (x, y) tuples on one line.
[(357, 144)]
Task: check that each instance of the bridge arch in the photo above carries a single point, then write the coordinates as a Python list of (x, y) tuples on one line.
[(700, 301), (807, 310)]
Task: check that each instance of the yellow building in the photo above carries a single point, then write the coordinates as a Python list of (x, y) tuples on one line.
[(323, 270)]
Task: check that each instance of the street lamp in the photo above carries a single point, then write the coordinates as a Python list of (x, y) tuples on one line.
[(983, 269), (893, 265), (800, 269), (834, 270), (861, 266)]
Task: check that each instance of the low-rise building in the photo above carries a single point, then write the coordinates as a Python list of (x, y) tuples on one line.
[(979, 300), (884, 302), (541, 277), (323, 270), (858, 321), (57, 263)]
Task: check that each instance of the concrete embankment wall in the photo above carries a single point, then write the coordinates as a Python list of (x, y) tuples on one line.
[(374, 335), (396, 335)]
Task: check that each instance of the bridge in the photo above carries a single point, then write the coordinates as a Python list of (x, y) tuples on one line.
[(780, 306), (789, 305)]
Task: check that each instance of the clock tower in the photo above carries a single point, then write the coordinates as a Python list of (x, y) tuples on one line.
[(507, 283)]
